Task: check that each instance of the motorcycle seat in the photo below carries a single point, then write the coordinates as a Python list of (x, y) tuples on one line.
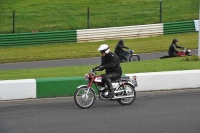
[(123, 79)]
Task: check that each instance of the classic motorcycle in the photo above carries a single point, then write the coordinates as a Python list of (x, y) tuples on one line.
[(130, 56), (183, 53), (124, 89)]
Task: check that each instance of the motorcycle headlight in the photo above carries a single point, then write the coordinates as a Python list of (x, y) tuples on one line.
[(189, 50), (86, 77)]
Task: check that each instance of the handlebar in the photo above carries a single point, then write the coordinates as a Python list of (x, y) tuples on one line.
[(131, 50), (95, 69)]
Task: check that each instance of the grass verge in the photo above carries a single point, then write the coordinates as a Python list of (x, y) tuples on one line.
[(170, 64)]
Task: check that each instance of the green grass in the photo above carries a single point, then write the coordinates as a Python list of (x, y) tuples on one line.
[(131, 67), (81, 50), (53, 15), (192, 58)]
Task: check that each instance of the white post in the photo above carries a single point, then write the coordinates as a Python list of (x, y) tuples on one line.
[(199, 34)]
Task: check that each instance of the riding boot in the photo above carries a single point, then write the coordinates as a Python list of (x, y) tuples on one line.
[(108, 82), (112, 93)]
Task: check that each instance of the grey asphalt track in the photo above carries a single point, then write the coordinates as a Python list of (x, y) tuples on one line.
[(175, 111), (73, 62)]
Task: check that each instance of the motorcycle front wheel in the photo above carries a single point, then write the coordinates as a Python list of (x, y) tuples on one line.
[(130, 91), (134, 58), (83, 99)]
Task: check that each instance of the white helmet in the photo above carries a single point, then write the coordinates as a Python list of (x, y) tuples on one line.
[(105, 48)]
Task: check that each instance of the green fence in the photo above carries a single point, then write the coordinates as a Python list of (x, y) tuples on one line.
[(37, 38), (179, 27)]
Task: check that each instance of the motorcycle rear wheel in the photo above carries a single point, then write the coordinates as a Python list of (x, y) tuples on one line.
[(131, 91), (84, 100), (134, 58)]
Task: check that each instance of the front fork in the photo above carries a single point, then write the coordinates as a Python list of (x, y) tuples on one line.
[(87, 90), (85, 95)]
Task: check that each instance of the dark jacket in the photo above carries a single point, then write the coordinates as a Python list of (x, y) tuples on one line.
[(172, 48), (111, 63), (119, 49)]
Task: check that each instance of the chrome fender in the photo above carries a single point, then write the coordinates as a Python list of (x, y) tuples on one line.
[(131, 83), (128, 83), (81, 86), (87, 87)]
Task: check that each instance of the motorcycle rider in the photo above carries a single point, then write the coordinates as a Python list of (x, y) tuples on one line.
[(111, 63), (173, 48), (119, 49)]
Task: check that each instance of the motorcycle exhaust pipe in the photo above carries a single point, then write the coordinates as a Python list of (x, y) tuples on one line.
[(121, 97), (120, 91)]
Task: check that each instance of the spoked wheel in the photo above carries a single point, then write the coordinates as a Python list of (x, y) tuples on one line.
[(134, 58), (130, 90), (83, 99)]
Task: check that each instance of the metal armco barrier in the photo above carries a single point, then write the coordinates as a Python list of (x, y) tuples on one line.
[(37, 38), (98, 34), (179, 27), (138, 31)]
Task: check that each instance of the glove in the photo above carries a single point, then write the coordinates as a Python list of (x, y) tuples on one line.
[(97, 67), (101, 68)]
